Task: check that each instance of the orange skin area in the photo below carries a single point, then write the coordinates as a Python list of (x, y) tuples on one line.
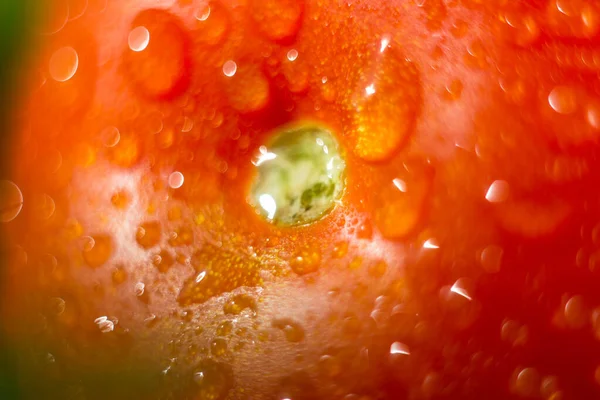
[(479, 91)]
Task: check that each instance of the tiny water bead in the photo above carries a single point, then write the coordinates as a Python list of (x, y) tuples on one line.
[(139, 38), (300, 175), (176, 180), (229, 68)]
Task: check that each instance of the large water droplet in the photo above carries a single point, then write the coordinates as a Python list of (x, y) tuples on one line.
[(158, 63), (385, 104)]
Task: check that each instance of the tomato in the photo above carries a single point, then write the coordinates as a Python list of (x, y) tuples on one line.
[(302, 199)]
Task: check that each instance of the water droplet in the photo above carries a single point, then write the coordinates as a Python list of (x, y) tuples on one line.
[(163, 261), (300, 176), (514, 333), (330, 366), (213, 23), (120, 199), (159, 62), (386, 103), (306, 261), (398, 213), (138, 39), (225, 328), (491, 258), (563, 100), (229, 68), (238, 303), (176, 180), (104, 324), (576, 312), (63, 64), (77, 8), (213, 380), (139, 289), (595, 319), (218, 347), (98, 251), (110, 136), (11, 201), (549, 388), (378, 269), (292, 330), (462, 287), (498, 192), (279, 20), (340, 250), (526, 382), (119, 275), (292, 55), (223, 272), (148, 234), (54, 18), (247, 88), (203, 12), (56, 306)]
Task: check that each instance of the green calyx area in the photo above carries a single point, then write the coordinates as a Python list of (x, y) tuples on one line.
[(300, 175)]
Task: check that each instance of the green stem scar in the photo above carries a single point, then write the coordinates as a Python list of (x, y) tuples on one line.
[(300, 175)]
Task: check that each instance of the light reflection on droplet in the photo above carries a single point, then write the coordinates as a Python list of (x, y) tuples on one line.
[(497, 192), (370, 90), (104, 324), (399, 348), (11, 201), (267, 202), (460, 289), (200, 277), (385, 42), (176, 180), (229, 68), (292, 55), (400, 184), (63, 64), (139, 38), (264, 155), (430, 244)]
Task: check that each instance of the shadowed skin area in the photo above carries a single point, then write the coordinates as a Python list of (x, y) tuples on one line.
[(453, 254)]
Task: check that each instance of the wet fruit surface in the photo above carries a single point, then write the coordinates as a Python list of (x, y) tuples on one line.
[(312, 199)]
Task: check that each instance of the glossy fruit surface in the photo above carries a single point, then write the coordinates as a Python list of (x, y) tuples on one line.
[(454, 256)]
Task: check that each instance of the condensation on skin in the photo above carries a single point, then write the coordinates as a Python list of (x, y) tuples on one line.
[(300, 175)]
